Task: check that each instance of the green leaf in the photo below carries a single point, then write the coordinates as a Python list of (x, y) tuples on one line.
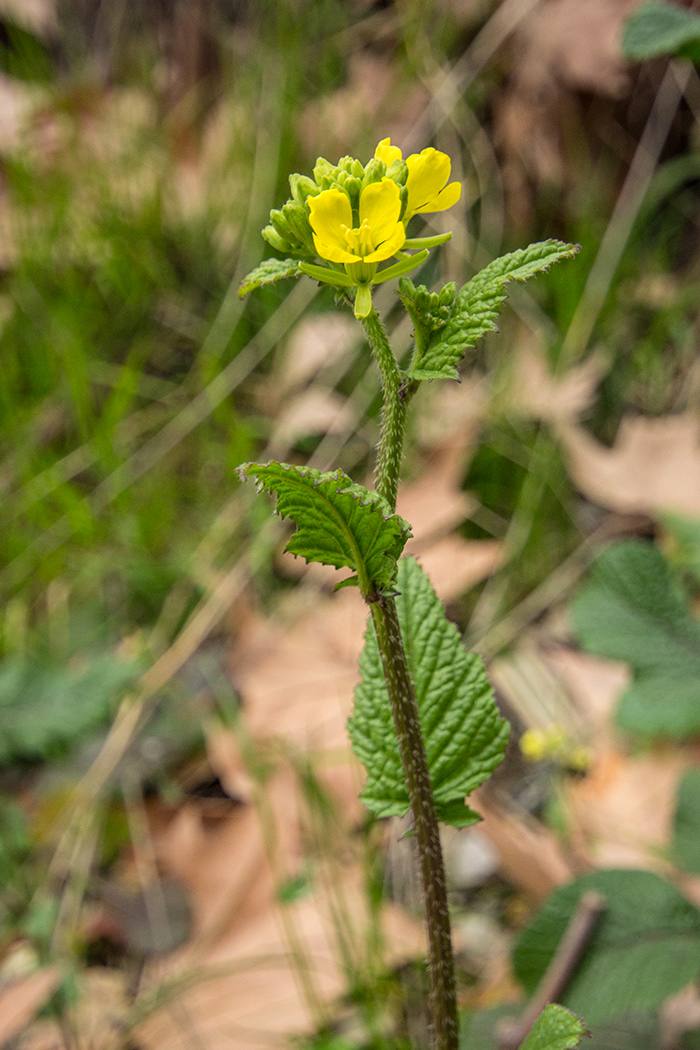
[(555, 1029), (627, 1032), (645, 947), (685, 532), (685, 845), (46, 708), (631, 610), (268, 272), (478, 303), (465, 737), (338, 523), (657, 28)]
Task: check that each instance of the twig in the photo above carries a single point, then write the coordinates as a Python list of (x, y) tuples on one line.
[(561, 969)]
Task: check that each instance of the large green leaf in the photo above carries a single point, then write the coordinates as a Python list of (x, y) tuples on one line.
[(465, 736), (477, 305), (268, 272), (555, 1029), (645, 947), (338, 523), (631, 610), (657, 28), (685, 845)]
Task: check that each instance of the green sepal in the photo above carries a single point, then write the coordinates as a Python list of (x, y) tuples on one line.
[(268, 272), (323, 273), (478, 303), (428, 242), (363, 301), (400, 268), (465, 736), (338, 522)]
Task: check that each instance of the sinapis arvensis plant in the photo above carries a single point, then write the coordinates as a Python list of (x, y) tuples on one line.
[(354, 217), (425, 724)]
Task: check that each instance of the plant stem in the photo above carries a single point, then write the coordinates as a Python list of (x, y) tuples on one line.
[(398, 390), (443, 997), (396, 398)]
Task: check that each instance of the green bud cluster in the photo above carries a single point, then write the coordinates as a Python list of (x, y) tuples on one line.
[(290, 231), (430, 310)]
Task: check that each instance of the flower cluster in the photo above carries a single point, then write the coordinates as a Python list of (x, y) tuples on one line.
[(354, 216)]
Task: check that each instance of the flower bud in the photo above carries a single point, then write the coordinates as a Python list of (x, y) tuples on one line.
[(297, 221), (281, 225), (302, 187), (324, 170), (374, 171), (447, 295), (398, 171), (273, 238)]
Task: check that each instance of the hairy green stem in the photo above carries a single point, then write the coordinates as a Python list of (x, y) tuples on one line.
[(393, 412), (443, 998), (398, 390)]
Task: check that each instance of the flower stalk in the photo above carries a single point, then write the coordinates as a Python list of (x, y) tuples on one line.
[(398, 390)]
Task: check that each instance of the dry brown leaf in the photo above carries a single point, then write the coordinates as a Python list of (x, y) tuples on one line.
[(233, 870), (622, 809), (537, 392), (98, 1015), (22, 999), (315, 343), (653, 467), (620, 813), (578, 45), (530, 855), (455, 565), (315, 411), (595, 686)]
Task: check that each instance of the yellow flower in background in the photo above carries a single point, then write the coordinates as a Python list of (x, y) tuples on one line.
[(428, 172), (379, 235)]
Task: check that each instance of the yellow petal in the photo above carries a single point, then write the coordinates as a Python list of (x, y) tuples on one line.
[(390, 246), (329, 211), (428, 172), (386, 152), (445, 198), (380, 205), (332, 253)]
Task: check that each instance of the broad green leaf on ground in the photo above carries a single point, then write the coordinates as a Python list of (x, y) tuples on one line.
[(555, 1029), (268, 272), (338, 523), (685, 845), (645, 947), (631, 610), (478, 303), (465, 736), (46, 708), (685, 533), (657, 28)]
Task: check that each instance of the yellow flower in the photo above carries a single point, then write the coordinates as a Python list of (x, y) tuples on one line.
[(379, 235), (428, 172)]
